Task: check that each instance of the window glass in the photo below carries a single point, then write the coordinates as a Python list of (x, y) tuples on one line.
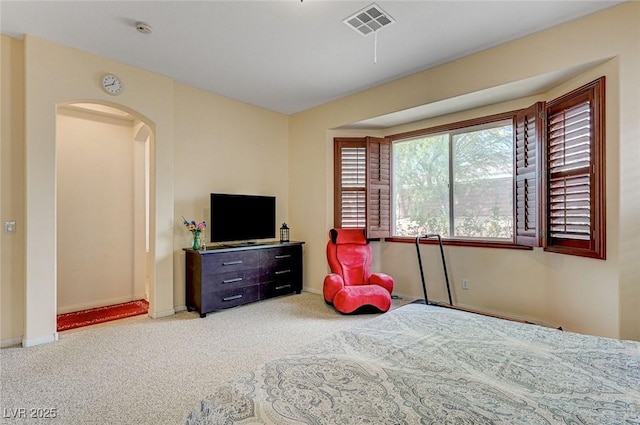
[(421, 186), (457, 184), (483, 183)]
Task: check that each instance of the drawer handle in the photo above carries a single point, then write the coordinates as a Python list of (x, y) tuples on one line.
[(235, 279), (282, 287), (279, 257), (283, 271), (235, 297), (232, 263)]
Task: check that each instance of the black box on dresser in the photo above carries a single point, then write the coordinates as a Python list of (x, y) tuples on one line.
[(227, 276)]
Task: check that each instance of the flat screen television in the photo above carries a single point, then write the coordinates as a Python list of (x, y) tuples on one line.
[(242, 218)]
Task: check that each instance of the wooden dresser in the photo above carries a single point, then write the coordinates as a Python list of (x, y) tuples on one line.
[(228, 276)]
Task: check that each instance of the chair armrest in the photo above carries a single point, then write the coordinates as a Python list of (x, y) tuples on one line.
[(383, 280), (333, 283)]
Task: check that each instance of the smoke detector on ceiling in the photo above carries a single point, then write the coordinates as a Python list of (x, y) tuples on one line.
[(143, 28), (369, 20)]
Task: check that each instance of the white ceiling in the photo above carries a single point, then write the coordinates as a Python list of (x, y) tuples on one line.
[(288, 55)]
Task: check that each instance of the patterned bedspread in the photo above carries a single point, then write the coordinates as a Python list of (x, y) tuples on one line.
[(431, 365)]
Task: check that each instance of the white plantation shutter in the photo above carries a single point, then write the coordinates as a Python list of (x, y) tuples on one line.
[(575, 172)]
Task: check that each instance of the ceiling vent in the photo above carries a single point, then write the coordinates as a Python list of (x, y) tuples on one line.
[(369, 20)]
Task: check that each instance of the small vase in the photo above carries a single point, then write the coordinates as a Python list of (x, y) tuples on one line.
[(196, 240)]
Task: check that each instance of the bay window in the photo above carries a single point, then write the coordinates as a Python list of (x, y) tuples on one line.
[(527, 178), (457, 183)]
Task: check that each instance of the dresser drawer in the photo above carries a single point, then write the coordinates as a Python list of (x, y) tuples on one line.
[(283, 273), (224, 262), (281, 257), (275, 289), (230, 298), (219, 281)]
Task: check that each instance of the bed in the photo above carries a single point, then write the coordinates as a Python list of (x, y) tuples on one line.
[(422, 364)]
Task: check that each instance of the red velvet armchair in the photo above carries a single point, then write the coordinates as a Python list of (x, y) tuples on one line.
[(351, 284)]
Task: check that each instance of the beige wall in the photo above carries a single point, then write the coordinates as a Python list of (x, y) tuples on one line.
[(629, 176), (584, 295), (199, 143), (96, 161), (76, 75), (12, 187), (224, 146)]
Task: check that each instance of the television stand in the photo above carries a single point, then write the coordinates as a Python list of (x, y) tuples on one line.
[(227, 276)]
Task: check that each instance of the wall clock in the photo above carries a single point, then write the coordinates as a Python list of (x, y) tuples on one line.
[(111, 84)]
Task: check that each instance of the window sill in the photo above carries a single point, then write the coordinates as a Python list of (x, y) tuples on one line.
[(461, 242)]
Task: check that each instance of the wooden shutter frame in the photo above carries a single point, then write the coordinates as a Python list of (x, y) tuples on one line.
[(524, 233), (595, 90), (339, 143), (378, 187), (377, 190)]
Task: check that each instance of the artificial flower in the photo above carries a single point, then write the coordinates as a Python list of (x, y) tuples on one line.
[(194, 227)]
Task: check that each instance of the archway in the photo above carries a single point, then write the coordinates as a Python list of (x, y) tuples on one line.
[(103, 200)]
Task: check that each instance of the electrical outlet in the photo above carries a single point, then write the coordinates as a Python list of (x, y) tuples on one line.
[(465, 284)]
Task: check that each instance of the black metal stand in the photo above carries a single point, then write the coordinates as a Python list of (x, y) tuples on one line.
[(446, 278), (444, 266)]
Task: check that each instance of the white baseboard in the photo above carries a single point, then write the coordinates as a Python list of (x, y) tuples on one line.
[(40, 340), (164, 313), (528, 319), (401, 296), (412, 298), (313, 290), (180, 308), (11, 341), (99, 303)]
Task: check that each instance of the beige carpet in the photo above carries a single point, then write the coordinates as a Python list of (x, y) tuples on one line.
[(144, 371)]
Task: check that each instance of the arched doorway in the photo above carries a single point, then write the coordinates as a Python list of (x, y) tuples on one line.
[(103, 177)]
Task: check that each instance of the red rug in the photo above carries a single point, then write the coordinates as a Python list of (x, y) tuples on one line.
[(108, 313)]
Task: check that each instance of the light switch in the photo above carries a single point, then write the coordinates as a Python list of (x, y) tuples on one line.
[(10, 227)]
